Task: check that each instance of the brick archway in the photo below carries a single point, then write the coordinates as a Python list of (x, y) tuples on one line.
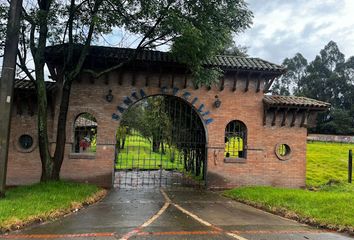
[(179, 97), (178, 158)]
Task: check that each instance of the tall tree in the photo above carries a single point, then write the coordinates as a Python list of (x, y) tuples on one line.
[(150, 118), (235, 50), (195, 30), (322, 80), (328, 78), (158, 122), (296, 70)]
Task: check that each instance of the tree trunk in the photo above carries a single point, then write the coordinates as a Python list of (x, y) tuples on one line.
[(51, 166), (198, 162), (61, 129), (39, 60), (191, 161), (185, 159), (123, 143), (155, 144), (118, 145), (162, 148), (71, 73), (43, 143)]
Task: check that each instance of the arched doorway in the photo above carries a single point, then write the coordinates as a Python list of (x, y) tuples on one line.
[(161, 141)]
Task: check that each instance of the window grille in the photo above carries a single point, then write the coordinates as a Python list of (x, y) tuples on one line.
[(235, 140), (85, 131), (283, 151)]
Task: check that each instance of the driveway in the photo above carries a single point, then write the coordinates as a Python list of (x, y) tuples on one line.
[(172, 214)]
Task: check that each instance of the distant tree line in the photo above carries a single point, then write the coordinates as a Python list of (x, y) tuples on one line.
[(330, 78), (150, 118)]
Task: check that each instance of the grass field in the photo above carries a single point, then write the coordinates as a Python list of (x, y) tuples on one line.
[(138, 154), (330, 207), (329, 204), (326, 161), (43, 201)]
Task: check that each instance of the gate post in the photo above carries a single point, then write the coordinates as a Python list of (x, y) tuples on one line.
[(350, 166)]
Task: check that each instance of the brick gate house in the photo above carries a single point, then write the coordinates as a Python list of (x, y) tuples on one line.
[(273, 128)]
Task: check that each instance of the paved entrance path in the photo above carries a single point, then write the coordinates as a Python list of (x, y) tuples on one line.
[(171, 214)]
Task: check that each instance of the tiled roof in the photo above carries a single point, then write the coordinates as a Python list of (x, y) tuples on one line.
[(84, 122), (223, 61), (274, 100), (227, 61), (29, 85)]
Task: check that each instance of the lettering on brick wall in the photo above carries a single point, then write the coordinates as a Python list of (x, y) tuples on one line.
[(137, 95)]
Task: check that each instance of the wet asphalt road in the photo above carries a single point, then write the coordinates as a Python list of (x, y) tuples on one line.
[(172, 214)]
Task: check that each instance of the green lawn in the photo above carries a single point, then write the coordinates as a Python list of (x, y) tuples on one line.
[(138, 154), (330, 205), (44, 201), (327, 161)]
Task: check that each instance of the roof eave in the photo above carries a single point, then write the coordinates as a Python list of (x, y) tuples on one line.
[(295, 106)]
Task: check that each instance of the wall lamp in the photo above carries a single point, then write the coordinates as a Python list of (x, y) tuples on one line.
[(109, 96), (217, 102)]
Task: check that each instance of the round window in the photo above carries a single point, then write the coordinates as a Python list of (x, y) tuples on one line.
[(283, 151), (26, 141)]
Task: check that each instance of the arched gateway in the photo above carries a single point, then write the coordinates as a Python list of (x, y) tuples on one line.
[(161, 141), (242, 132)]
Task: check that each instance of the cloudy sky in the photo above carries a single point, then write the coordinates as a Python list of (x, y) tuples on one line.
[(282, 28)]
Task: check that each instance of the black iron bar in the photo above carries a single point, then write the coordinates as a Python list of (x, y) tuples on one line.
[(181, 157), (350, 166)]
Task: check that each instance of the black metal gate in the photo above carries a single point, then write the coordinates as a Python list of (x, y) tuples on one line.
[(161, 141)]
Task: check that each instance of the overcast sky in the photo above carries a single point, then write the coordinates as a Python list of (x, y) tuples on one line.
[(282, 28)]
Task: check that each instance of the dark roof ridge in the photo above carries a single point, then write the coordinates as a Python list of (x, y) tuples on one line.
[(238, 56), (258, 58), (158, 51), (225, 62)]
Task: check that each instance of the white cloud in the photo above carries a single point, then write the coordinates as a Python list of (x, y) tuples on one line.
[(283, 28)]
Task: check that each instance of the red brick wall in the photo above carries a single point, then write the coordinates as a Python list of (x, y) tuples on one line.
[(261, 167)]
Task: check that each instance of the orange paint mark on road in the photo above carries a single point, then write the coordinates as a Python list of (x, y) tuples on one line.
[(280, 231), (179, 233), (138, 232), (130, 234), (51, 236)]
